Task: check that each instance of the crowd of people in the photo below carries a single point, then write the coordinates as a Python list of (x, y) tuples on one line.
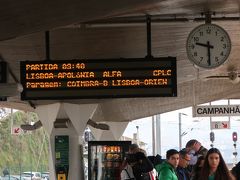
[(194, 162)]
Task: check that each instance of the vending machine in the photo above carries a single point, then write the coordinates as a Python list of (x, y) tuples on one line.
[(105, 159)]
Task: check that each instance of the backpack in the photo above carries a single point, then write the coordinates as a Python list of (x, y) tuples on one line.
[(148, 176), (129, 175), (142, 167), (145, 176)]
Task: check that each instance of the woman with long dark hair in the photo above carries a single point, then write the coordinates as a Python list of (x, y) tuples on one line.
[(214, 167), (196, 173)]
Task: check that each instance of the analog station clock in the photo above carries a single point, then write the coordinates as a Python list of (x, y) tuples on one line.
[(208, 46)]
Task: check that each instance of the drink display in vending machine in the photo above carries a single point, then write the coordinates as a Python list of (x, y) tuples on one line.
[(105, 159)]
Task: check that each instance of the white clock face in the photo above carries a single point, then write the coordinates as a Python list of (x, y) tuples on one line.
[(208, 46)]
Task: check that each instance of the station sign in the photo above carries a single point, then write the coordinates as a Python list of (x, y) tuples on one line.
[(99, 78), (216, 110), (220, 125)]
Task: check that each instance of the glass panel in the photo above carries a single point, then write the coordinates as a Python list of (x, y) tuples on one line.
[(106, 162)]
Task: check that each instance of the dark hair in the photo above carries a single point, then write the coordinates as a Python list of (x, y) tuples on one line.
[(196, 168), (183, 152), (171, 152), (133, 147), (196, 171), (130, 158), (200, 158), (155, 160), (140, 156), (191, 142), (222, 172)]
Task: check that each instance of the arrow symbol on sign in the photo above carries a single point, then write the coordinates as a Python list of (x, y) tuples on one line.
[(225, 125), (16, 130)]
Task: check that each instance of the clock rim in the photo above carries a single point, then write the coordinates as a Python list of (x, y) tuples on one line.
[(209, 67)]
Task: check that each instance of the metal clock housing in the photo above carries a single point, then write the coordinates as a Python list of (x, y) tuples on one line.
[(208, 46)]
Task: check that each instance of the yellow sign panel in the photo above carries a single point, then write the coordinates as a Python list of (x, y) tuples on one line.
[(61, 177)]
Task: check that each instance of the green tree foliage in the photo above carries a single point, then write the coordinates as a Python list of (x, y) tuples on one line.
[(26, 152)]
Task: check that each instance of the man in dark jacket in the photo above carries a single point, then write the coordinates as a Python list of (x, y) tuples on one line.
[(195, 145), (196, 150), (182, 171), (142, 167)]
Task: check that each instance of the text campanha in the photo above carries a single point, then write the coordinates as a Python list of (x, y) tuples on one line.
[(218, 110)]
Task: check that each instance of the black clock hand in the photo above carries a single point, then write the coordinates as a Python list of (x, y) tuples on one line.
[(208, 46), (205, 45), (209, 55)]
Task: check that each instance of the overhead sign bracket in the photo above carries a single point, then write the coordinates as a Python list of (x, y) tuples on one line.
[(149, 37)]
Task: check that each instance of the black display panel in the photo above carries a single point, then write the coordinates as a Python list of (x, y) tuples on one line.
[(3, 72), (93, 79)]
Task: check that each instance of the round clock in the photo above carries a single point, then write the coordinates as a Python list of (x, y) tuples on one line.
[(208, 46)]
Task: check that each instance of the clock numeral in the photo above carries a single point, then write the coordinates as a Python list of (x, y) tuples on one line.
[(222, 53), (224, 46), (216, 33), (222, 38), (208, 31), (201, 58), (196, 39), (217, 59), (192, 46), (201, 33), (195, 53)]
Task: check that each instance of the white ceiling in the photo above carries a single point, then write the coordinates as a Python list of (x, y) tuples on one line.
[(115, 29)]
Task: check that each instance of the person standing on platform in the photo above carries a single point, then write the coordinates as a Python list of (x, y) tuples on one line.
[(214, 167), (182, 171), (142, 168), (166, 170), (196, 146), (127, 172), (195, 150), (236, 171), (196, 173)]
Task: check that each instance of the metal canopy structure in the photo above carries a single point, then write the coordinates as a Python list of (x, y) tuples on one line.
[(117, 29)]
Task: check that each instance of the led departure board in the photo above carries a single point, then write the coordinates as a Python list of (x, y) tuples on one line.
[(93, 79)]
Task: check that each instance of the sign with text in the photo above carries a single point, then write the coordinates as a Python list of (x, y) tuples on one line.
[(216, 110), (220, 125), (92, 79)]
